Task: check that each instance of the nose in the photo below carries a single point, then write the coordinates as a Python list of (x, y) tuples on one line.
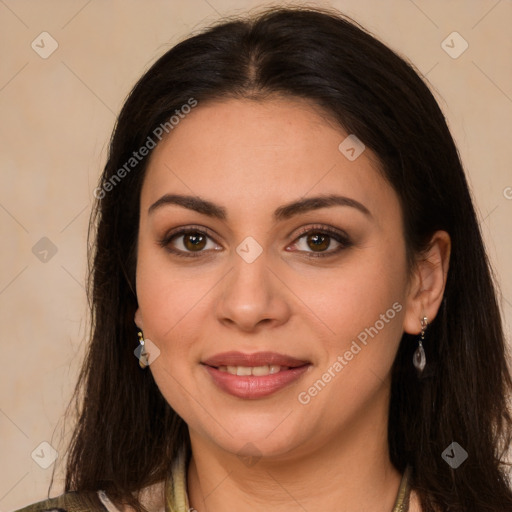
[(252, 297)]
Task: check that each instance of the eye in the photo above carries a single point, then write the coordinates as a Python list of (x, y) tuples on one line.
[(190, 242), (316, 240)]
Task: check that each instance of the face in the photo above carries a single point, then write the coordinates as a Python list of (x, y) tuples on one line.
[(277, 311)]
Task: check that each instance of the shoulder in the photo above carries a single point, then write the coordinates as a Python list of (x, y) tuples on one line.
[(151, 497), (68, 502)]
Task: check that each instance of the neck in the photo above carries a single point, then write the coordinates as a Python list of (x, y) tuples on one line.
[(350, 471)]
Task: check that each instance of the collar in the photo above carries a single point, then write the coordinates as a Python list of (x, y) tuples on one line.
[(176, 498)]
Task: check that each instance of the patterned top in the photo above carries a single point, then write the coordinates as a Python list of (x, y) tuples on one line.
[(175, 489)]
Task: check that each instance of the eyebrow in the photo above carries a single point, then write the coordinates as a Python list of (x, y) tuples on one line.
[(282, 213)]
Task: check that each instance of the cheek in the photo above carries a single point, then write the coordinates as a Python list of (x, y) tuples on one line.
[(354, 295), (167, 296), (171, 303), (362, 303)]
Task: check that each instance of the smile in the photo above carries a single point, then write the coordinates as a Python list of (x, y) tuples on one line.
[(253, 376), (258, 371)]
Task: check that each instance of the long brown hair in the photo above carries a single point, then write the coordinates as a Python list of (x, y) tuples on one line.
[(127, 434)]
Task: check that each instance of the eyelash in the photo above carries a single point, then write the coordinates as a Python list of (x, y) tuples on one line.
[(338, 236)]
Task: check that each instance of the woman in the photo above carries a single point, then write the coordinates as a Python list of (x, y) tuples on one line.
[(292, 305)]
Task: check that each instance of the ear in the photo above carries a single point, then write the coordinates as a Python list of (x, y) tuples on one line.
[(427, 282), (138, 319)]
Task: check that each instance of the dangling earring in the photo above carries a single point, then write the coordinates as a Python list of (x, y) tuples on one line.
[(143, 355), (419, 359)]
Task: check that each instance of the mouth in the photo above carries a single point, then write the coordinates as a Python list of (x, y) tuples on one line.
[(258, 371), (255, 360), (252, 376)]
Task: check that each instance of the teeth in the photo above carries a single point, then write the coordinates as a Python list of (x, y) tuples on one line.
[(261, 370), (257, 371)]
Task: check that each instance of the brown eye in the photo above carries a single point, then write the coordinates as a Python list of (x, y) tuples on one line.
[(321, 241), (194, 241), (318, 241), (189, 243)]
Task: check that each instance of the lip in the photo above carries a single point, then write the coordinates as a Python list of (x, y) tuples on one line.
[(251, 387), (256, 359)]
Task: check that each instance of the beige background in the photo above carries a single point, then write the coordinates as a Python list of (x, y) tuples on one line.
[(56, 118)]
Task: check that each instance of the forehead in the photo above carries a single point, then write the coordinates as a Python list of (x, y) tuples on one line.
[(261, 152)]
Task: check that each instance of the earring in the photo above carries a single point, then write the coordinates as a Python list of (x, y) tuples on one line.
[(419, 359), (143, 355)]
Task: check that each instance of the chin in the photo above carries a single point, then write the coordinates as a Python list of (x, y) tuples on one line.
[(270, 437)]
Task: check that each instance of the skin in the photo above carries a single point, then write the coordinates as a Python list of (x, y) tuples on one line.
[(250, 158)]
